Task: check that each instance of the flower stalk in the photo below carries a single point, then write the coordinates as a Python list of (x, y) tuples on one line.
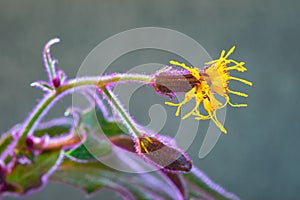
[(126, 118), (41, 109)]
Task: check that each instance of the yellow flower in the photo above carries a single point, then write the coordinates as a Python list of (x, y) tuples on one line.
[(213, 80), (201, 92)]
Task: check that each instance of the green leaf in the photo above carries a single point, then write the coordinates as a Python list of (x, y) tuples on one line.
[(92, 176), (93, 148), (97, 121), (5, 140), (25, 177), (199, 185), (98, 128), (54, 127), (87, 176)]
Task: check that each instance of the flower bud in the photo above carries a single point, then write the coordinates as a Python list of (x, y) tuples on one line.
[(153, 150), (163, 155), (170, 80)]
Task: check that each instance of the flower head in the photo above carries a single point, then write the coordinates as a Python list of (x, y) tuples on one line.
[(203, 84), (201, 93)]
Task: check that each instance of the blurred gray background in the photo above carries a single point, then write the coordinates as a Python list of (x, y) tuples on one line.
[(258, 159)]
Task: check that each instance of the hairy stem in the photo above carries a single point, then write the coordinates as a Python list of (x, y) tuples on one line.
[(41, 109), (126, 118)]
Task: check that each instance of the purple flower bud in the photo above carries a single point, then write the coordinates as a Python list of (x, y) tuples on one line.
[(155, 151), (169, 81), (168, 158), (56, 82), (29, 142)]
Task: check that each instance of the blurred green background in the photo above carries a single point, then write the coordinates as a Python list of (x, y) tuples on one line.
[(258, 159)]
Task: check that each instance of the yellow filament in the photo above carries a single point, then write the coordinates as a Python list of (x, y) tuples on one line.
[(188, 97), (202, 117), (241, 80), (229, 52), (238, 93), (175, 104), (213, 117), (234, 105), (194, 71), (238, 66), (172, 62), (218, 123), (195, 109)]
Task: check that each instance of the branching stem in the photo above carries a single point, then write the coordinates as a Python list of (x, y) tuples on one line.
[(69, 87)]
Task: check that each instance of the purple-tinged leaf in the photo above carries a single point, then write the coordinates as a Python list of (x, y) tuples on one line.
[(49, 63), (92, 148), (194, 184), (7, 143), (97, 120), (202, 187), (44, 86), (5, 140), (54, 128), (179, 182), (62, 76), (125, 142), (88, 176), (95, 145), (26, 178), (93, 176), (56, 134)]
